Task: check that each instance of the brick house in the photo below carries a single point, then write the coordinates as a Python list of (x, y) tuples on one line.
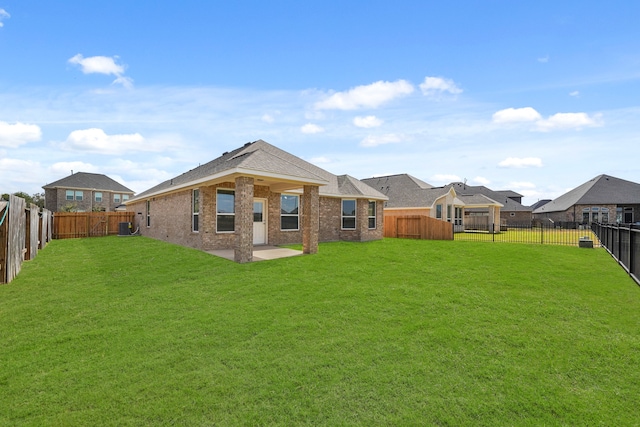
[(604, 199), (258, 194), (85, 192), (409, 195)]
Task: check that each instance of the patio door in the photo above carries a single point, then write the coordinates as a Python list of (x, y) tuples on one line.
[(259, 222)]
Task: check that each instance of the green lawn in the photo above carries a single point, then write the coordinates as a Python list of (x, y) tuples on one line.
[(132, 331)]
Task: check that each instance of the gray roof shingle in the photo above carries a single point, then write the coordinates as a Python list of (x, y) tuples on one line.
[(89, 181), (601, 190), (260, 157)]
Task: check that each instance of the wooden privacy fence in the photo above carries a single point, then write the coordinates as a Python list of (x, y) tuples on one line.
[(23, 231), (417, 227), (70, 225)]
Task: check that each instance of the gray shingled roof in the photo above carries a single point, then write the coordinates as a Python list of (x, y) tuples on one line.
[(601, 190), (406, 191), (89, 181), (262, 158), (502, 197)]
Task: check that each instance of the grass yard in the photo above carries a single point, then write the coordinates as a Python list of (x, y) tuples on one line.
[(132, 331)]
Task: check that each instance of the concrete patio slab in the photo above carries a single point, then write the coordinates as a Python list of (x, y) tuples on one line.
[(260, 253)]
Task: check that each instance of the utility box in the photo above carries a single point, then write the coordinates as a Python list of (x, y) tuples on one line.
[(585, 242), (124, 229)]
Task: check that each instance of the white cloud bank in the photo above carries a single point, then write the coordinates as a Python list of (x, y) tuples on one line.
[(15, 135), (97, 141), (557, 121), (3, 15), (367, 122), (102, 65), (433, 86), (366, 96), (521, 162)]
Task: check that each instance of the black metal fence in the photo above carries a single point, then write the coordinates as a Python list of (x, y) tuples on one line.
[(566, 233), (623, 243)]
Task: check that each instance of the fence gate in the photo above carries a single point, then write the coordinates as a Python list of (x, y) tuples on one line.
[(408, 227)]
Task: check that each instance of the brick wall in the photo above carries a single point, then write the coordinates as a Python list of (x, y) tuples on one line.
[(171, 220)]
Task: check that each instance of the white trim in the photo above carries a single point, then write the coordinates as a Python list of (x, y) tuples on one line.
[(354, 216)]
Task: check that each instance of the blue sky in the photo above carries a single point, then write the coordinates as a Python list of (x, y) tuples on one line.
[(531, 96)]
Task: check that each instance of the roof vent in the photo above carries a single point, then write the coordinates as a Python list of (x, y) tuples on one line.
[(247, 144), (225, 153)]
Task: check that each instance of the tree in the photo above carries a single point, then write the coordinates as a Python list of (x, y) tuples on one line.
[(37, 198)]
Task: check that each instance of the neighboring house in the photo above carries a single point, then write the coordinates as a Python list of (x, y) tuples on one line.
[(512, 211), (85, 192), (255, 195), (539, 204), (409, 195), (603, 199)]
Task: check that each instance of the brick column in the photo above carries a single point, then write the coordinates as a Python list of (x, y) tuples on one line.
[(243, 251), (310, 219)]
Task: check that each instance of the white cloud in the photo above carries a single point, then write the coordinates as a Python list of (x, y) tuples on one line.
[(17, 165), (311, 128), (375, 140), (367, 122), (544, 59), (481, 180), (555, 122), (102, 65), (575, 93), (438, 85), (15, 135), (515, 115), (521, 162), (268, 118), (3, 15), (97, 141), (568, 121), (444, 178), (366, 96)]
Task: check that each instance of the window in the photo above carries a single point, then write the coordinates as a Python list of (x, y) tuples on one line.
[(148, 213), (195, 205), (372, 214), (605, 215), (448, 213), (348, 214), (289, 212), (98, 196), (585, 215), (439, 211), (125, 197), (458, 218), (74, 195), (225, 211), (116, 198)]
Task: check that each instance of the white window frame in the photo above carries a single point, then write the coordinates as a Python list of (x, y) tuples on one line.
[(116, 198), (195, 210), (439, 211), (354, 216), (148, 213), (373, 217), (230, 214), (290, 215), (98, 196)]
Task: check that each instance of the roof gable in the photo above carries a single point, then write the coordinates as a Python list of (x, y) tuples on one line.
[(89, 181), (264, 160), (601, 190)]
